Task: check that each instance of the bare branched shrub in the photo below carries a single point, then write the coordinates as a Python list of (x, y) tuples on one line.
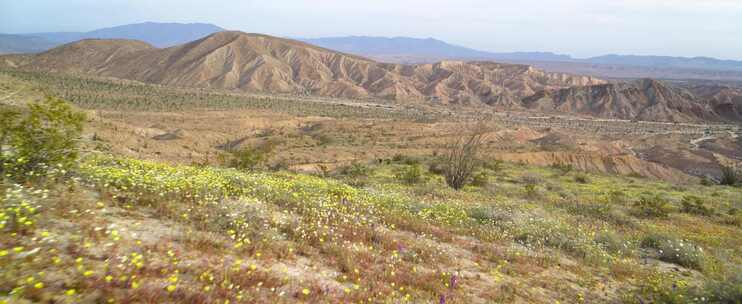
[(461, 158)]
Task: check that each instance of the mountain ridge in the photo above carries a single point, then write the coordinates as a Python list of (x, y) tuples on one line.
[(262, 63), (249, 62), (155, 33), (381, 48)]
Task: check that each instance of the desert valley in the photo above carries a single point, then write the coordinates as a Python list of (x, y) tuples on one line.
[(246, 168)]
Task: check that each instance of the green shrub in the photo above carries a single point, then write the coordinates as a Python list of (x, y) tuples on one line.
[(495, 165), (729, 176), (249, 158), (480, 179), (355, 170), (405, 159), (672, 250), (436, 167), (652, 206), (694, 205), (617, 197), (410, 174), (728, 290), (614, 243), (582, 179), (531, 190), (356, 174), (41, 138), (562, 168), (323, 139)]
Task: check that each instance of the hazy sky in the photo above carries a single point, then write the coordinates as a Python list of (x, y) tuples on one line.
[(577, 27)]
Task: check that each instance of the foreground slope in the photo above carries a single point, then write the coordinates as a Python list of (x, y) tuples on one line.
[(130, 231)]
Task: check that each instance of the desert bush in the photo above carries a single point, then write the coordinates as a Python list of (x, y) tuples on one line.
[(731, 220), (706, 181), (405, 159), (323, 139), (531, 190), (355, 170), (695, 205), (600, 211), (582, 179), (617, 197), (729, 176), (494, 165), (562, 168), (531, 179), (249, 157), (40, 138), (614, 243), (727, 290), (676, 251), (436, 167), (356, 174), (652, 206), (491, 215), (480, 179), (461, 159), (409, 174)]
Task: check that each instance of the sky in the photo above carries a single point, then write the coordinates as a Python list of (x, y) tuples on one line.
[(581, 28)]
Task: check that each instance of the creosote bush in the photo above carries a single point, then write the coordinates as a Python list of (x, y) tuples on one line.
[(563, 168), (652, 206), (676, 251), (695, 205), (410, 174), (582, 179), (729, 176), (42, 137), (249, 158)]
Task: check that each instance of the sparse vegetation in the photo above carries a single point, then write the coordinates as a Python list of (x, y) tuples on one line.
[(410, 174), (124, 229), (652, 206), (247, 157), (695, 205), (671, 250), (40, 138), (461, 159), (729, 176)]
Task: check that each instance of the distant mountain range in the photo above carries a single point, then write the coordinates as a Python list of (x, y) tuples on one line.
[(157, 34), (407, 50), (260, 63), (414, 50), (14, 44)]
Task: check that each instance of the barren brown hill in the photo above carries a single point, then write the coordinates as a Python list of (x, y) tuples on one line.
[(88, 56), (725, 100), (259, 63), (644, 99)]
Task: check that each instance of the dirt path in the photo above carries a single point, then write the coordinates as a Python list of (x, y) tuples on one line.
[(694, 142), (10, 95)]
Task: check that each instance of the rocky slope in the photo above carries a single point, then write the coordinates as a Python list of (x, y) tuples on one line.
[(264, 64), (259, 63), (644, 99)]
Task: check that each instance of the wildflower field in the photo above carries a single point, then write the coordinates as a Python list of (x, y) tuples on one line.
[(125, 230)]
